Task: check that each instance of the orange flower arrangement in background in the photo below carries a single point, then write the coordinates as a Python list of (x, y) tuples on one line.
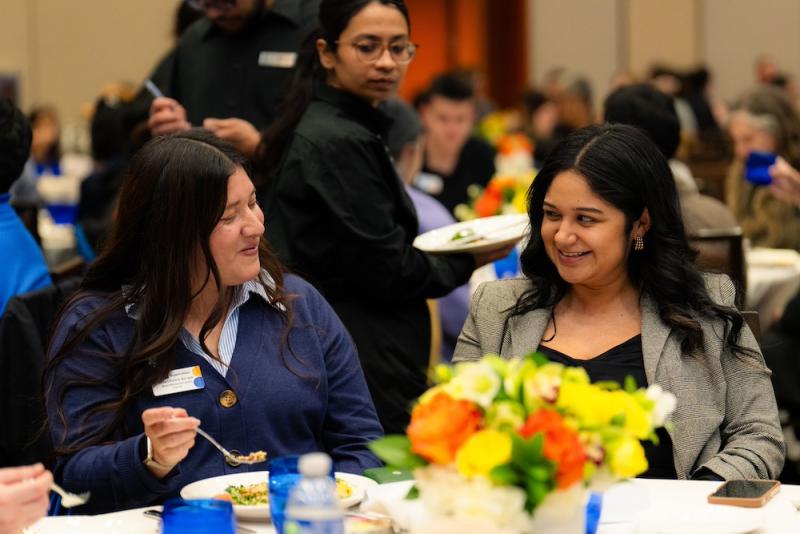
[(438, 428)]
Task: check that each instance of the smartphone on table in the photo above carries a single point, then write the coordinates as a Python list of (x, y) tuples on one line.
[(748, 493), (756, 167)]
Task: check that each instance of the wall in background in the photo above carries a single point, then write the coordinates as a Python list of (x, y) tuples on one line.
[(586, 37), (737, 31), (66, 51)]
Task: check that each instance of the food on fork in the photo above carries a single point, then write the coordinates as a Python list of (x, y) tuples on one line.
[(253, 457)]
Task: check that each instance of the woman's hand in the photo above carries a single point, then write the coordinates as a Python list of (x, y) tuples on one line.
[(171, 432), (785, 184), (23, 496)]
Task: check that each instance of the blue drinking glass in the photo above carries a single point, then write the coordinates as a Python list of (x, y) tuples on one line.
[(593, 509), (756, 167), (507, 267), (198, 516), (283, 475)]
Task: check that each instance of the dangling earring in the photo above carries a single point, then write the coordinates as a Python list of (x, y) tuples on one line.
[(638, 243)]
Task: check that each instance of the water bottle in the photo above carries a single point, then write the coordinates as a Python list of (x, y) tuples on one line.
[(313, 507)]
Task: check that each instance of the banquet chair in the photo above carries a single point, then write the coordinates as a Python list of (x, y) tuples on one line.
[(722, 251), (751, 318), (24, 333)]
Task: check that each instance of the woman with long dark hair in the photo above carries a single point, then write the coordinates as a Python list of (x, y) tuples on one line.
[(336, 209), (610, 286), (186, 318)]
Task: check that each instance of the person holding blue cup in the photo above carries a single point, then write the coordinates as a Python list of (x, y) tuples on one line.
[(764, 126)]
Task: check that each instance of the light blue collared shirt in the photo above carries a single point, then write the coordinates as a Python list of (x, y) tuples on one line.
[(230, 328)]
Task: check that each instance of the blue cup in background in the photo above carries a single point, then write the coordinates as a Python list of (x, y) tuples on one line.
[(507, 267), (756, 167), (283, 475), (63, 213), (593, 509), (198, 516)]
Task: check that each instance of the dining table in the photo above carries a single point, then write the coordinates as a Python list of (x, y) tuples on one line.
[(773, 277), (637, 506)]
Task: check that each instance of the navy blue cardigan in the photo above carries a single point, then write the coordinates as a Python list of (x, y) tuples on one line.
[(328, 410)]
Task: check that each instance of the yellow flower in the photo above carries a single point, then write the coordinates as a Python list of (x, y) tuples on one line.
[(626, 458), (637, 419), (482, 452), (505, 415)]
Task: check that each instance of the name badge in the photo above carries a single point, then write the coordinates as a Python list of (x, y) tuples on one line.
[(180, 380), (281, 60)]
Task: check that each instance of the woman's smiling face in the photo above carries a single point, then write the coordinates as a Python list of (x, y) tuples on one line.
[(584, 235)]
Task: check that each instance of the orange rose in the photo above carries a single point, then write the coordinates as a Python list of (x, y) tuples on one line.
[(440, 426), (561, 445), (488, 204)]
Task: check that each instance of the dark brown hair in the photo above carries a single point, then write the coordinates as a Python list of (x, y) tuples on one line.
[(172, 197)]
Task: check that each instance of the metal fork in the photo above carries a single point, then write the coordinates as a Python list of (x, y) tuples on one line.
[(233, 460), (68, 500)]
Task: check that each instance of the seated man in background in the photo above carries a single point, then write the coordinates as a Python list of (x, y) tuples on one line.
[(453, 159), (23, 267), (405, 141), (654, 112)]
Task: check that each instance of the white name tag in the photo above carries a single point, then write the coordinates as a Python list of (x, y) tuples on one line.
[(281, 60), (179, 380)]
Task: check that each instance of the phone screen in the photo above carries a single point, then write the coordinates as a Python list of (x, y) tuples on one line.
[(744, 489)]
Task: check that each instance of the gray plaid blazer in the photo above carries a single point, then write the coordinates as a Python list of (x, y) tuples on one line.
[(726, 419)]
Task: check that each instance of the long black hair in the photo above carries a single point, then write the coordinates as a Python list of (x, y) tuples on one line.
[(172, 198), (334, 16), (626, 169)]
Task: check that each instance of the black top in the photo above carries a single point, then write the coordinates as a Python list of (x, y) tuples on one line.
[(221, 75), (475, 166), (626, 359), (338, 214)]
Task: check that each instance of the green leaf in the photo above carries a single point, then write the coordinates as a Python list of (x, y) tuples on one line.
[(504, 475), (526, 452), (413, 493), (630, 384), (618, 419), (539, 473), (395, 451), (539, 359)]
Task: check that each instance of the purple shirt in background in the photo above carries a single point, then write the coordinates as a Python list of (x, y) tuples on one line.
[(454, 307)]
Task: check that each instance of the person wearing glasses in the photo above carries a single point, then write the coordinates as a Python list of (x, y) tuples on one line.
[(336, 211), (230, 68)]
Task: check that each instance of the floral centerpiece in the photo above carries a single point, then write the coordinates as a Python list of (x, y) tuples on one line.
[(502, 441), (507, 190)]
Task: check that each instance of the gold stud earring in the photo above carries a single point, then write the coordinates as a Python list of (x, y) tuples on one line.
[(638, 243)]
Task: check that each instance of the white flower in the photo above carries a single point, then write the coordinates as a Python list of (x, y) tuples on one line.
[(665, 403), (477, 382), (446, 494)]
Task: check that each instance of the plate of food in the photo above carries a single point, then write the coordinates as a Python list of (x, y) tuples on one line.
[(250, 495), (477, 235)]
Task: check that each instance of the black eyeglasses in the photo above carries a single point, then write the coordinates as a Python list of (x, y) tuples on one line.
[(202, 5), (371, 50)]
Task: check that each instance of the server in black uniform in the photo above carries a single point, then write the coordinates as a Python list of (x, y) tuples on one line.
[(336, 210)]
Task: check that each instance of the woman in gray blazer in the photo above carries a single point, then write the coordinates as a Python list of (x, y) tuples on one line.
[(610, 286)]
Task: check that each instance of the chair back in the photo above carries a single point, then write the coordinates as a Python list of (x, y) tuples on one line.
[(751, 318), (721, 251), (24, 334)]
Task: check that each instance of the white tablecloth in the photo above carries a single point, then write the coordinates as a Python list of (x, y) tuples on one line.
[(773, 277), (628, 508)]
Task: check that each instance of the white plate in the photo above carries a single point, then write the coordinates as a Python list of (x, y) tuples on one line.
[(700, 518), (209, 487), (499, 231)]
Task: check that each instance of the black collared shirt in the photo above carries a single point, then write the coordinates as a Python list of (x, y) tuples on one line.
[(244, 75)]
